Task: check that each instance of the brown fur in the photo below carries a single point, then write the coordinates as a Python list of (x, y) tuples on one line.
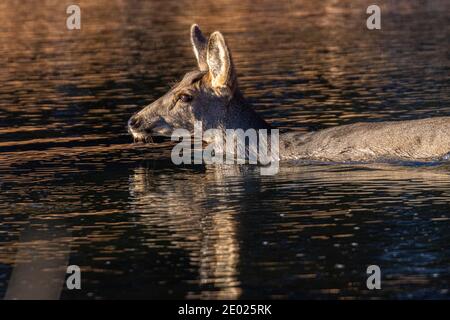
[(218, 103)]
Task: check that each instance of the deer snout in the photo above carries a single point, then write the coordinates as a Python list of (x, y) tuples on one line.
[(134, 122), (136, 127), (141, 127)]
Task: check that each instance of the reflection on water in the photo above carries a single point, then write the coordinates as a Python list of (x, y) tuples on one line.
[(75, 191)]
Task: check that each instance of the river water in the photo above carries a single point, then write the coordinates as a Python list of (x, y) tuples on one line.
[(75, 190)]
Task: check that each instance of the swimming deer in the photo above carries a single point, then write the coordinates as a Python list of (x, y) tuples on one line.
[(211, 95)]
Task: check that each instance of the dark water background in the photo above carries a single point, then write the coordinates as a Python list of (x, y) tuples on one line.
[(74, 190)]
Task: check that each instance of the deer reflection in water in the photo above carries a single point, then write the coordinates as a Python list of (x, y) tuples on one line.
[(183, 209)]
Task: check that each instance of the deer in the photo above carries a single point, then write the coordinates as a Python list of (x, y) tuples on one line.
[(210, 94)]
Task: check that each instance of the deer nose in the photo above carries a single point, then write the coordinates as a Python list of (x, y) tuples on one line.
[(134, 122)]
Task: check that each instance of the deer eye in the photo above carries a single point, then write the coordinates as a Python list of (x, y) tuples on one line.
[(185, 97)]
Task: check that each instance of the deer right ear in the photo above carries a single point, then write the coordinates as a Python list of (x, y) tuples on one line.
[(199, 44), (220, 64)]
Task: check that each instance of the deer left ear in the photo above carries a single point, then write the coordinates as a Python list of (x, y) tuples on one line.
[(199, 43), (221, 68)]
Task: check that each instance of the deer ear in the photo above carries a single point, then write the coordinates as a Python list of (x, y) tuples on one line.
[(219, 61), (199, 43)]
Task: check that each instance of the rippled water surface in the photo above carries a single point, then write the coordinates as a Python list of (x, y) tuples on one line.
[(76, 191)]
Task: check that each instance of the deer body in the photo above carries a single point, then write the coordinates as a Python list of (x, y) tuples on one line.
[(211, 95), (415, 140)]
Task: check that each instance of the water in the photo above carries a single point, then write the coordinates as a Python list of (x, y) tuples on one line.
[(76, 191)]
